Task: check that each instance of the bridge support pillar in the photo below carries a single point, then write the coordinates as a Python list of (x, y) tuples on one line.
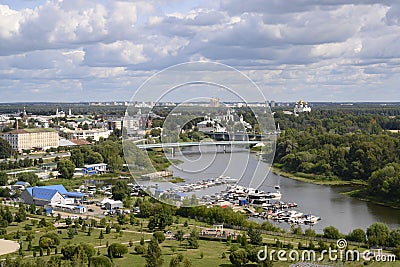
[(173, 151)]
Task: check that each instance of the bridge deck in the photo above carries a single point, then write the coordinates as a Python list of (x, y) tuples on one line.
[(187, 144)]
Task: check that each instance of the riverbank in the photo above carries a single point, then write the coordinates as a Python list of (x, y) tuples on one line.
[(363, 195), (359, 193), (313, 178)]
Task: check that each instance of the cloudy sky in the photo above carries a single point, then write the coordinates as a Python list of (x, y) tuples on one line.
[(84, 50)]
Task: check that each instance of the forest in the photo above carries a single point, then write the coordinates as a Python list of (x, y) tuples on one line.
[(343, 145)]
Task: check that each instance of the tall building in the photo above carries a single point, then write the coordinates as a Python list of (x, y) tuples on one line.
[(37, 138), (115, 124), (272, 103), (214, 102)]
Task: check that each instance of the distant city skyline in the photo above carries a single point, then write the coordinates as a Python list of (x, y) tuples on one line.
[(103, 50)]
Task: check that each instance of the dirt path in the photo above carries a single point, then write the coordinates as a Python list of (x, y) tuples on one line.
[(7, 246)]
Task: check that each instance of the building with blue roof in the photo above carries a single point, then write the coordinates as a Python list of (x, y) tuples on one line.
[(49, 195), (20, 185)]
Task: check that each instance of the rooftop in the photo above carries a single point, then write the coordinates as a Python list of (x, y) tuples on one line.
[(31, 130), (47, 192), (80, 142)]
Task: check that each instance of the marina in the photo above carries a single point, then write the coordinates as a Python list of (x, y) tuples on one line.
[(326, 202), (256, 203)]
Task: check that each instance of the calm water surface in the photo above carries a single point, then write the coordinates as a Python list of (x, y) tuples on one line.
[(335, 209)]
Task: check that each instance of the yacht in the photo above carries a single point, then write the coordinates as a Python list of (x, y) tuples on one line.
[(274, 195), (226, 179), (311, 219)]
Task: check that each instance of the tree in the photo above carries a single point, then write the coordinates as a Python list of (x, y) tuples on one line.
[(116, 250), (140, 249), (85, 126), (7, 215), (120, 190), (378, 234), (77, 158), (101, 235), (252, 253), (296, 230), (187, 262), (385, 182), (87, 248), (193, 239), (71, 232), (6, 150), (255, 236), (68, 251), (396, 252), (29, 177), (3, 178), (331, 232), (174, 262), (179, 236), (394, 238), (94, 157), (5, 192), (45, 242), (121, 219), (357, 235), (66, 168), (20, 216), (238, 257), (49, 240), (309, 232), (160, 236), (132, 219), (100, 261), (154, 257)]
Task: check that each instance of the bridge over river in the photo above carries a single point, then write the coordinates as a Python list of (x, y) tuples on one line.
[(173, 146)]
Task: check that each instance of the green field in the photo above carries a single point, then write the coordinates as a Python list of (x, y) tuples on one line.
[(209, 253)]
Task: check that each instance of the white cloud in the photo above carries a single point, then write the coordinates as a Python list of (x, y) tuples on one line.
[(117, 53), (338, 45)]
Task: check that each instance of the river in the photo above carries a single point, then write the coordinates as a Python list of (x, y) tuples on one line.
[(343, 212)]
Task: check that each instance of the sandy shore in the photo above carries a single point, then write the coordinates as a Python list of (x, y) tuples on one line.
[(7, 246)]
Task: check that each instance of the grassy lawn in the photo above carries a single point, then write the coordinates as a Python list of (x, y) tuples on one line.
[(211, 254), (313, 178), (211, 250)]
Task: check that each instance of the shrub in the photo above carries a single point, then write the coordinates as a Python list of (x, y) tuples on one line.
[(160, 236), (100, 261), (116, 250), (140, 249)]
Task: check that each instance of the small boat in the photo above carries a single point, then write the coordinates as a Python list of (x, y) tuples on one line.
[(274, 195), (311, 219)]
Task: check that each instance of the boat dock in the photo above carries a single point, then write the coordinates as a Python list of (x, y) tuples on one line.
[(157, 175)]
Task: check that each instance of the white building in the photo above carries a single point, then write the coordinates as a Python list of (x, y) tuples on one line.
[(36, 138), (50, 195), (209, 125), (42, 196), (301, 107), (113, 204), (95, 134), (98, 168)]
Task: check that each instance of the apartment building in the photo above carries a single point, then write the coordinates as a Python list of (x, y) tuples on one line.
[(36, 138)]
